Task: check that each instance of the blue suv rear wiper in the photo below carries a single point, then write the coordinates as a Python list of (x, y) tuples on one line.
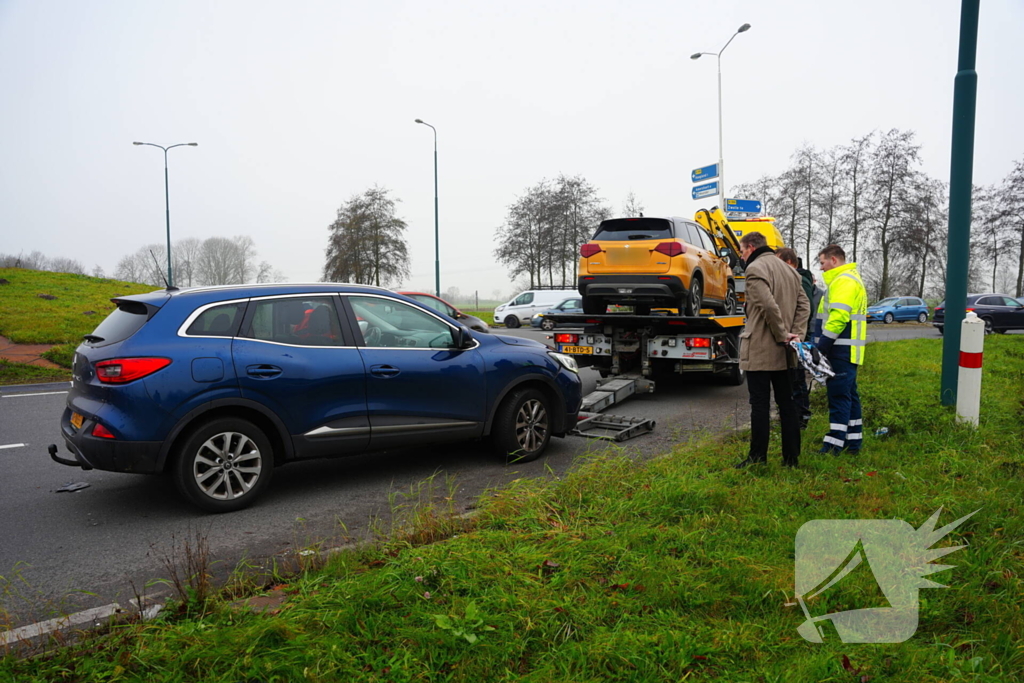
[(92, 338)]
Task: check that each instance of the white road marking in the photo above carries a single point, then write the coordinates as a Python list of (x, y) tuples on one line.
[(13, 445), (44, 627), (45, 393)]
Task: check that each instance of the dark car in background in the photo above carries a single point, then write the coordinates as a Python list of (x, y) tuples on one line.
[(441, 306), (543, 320), (218, 386), (1000, 312), (899, 309)]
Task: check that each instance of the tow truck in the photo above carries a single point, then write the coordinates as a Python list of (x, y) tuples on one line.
[(630, 351)]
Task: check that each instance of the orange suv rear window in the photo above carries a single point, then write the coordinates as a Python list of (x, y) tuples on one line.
[(622, 229)]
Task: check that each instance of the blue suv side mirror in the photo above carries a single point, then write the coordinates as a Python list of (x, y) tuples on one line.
[(463, 338)]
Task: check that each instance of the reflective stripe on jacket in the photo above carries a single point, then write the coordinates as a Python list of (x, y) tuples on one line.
[(841, 328)]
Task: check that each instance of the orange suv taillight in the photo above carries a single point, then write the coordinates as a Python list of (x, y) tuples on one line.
[(670, 248), (122, 370), (588, 250)]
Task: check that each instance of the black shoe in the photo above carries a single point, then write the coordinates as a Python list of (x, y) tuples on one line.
[(827, 450), (748, 462), (790, 463)]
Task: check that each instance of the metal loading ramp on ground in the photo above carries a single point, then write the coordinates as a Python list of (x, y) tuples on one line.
[(594, 425)]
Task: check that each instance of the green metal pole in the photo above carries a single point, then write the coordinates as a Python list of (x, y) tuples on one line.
[(961, 175), (167, 204), (437, 243)]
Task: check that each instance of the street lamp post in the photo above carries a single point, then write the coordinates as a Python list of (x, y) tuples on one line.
[(437, 244), (167, 200), (721, 160)]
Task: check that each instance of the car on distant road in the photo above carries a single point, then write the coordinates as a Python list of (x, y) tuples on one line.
[(529, 303), (1000, 312), (543, 319), (218, 386), (898, 309), (441, 306)]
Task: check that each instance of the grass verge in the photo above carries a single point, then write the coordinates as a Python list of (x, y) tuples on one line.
[(679, 568), (78, 304), (17, 373)]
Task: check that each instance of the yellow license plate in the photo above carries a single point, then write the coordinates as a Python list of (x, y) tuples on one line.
[(76, 420), (579, 350)]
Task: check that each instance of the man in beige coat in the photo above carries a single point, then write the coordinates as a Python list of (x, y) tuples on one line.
[(777, 312)]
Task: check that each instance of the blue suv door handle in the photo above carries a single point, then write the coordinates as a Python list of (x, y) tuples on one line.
[(263, 371), (384, 371)]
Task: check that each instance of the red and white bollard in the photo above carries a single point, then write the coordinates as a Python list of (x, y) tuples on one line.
[(968, 393)]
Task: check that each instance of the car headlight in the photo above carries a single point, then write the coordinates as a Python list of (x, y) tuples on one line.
[(567, 362)]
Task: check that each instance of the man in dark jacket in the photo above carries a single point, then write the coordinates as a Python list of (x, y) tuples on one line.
[(800, 393), (777, 312)]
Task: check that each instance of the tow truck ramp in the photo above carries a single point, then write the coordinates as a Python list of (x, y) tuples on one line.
[(594, 425)]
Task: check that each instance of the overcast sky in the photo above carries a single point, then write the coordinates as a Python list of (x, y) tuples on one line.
[(297, 106)]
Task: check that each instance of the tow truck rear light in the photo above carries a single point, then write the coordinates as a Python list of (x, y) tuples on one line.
[(698, 342), (588, 250), (670, 248), (567, 338), (102, 432), (122, 370)]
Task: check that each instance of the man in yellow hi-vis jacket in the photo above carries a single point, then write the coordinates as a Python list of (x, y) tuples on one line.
[(841, 334)]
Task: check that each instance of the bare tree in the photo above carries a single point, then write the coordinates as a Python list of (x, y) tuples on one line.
[(831, 197), (893, 163), (62, 264), (245, 258), (632, 207), (186, 255), (856, 159), (1011, 213), (366, 243), (130, 268), (545, 227), (217, 263)]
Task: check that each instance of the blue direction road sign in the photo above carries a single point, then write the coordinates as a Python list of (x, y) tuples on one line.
[(705, 190), (743, 206), (704, 173)]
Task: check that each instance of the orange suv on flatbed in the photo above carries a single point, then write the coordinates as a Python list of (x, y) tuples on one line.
[(659, 262)]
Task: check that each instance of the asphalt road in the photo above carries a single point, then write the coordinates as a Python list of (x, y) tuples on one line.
[(64, 552)]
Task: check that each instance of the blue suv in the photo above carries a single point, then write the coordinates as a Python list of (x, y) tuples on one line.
[(218, 386)]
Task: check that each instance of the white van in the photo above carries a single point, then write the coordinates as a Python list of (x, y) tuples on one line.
[(527, 304)]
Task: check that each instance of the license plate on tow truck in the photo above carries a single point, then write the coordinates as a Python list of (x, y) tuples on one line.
[(579, 350), (76, 421)]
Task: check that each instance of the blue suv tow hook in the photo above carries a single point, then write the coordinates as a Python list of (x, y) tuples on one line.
[(52, 448)]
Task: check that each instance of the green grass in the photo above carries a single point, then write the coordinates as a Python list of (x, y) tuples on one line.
[(26, 318), (677, 568), (487, 316), (17, 373)]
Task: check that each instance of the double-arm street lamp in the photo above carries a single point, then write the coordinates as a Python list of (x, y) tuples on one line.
[(437, 244), (167, 200), (721, 160)]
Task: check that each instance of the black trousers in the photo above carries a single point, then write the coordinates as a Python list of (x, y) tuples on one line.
[(761, 384), (801, 394)]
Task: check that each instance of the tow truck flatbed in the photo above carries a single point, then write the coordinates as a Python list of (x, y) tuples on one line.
[(628, 350), (617, 344)]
